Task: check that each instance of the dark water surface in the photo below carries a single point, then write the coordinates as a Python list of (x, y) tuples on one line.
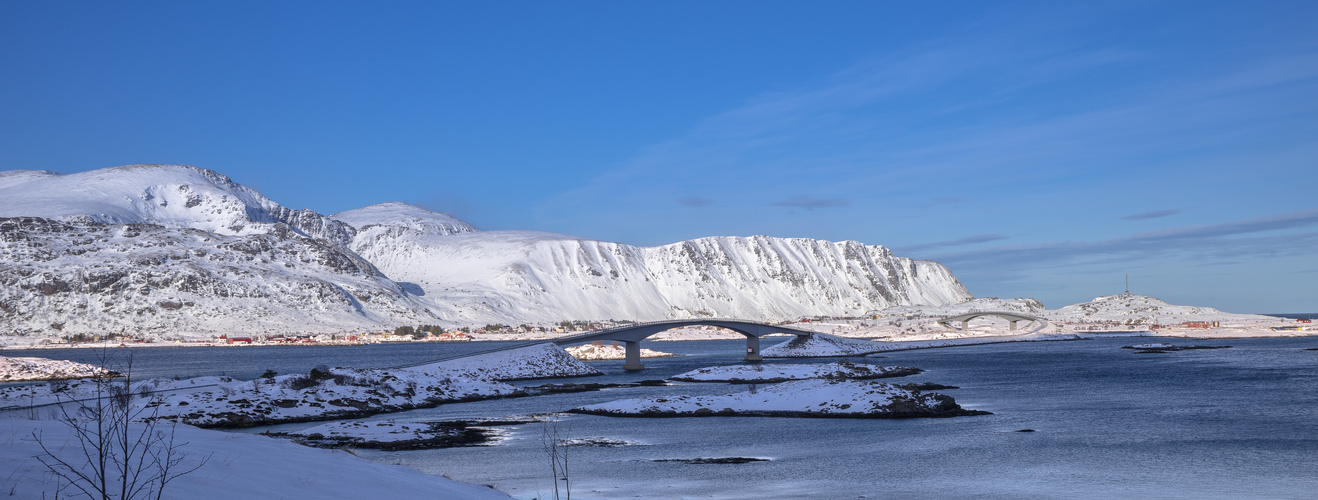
[(1109, 423)]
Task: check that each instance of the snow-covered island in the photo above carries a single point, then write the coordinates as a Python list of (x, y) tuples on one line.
[(328, 394), (25, 369), (599, 352), (801, 398), (772, 373), (820, 346), (537, 361)]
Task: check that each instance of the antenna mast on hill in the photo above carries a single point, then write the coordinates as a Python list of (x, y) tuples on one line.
[(1127, 282)]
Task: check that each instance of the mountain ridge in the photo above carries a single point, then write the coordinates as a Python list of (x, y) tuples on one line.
[(119, 248)]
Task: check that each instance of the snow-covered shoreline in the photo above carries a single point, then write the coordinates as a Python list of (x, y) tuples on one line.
[(24, 369)]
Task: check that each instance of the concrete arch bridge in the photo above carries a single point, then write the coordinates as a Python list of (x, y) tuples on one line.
[(632, 335), (1012, 317)]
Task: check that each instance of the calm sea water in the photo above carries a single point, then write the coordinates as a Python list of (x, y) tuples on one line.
[(248, 362), (1109, 423)]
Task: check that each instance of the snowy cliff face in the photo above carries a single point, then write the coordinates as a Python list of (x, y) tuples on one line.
[(178, 251), (473, 276)]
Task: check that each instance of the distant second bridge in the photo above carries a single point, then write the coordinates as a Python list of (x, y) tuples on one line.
[(1011, 317)]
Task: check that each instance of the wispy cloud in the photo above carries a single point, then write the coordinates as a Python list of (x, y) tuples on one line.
[(1152, 215), (992, 132), (811, 202), (695, 201), (1231, 239), (968, 240)]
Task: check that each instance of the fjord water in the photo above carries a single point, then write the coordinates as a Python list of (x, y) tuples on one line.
[(1108, 422)]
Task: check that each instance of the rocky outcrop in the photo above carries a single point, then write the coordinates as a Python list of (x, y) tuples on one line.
[(802, 398)]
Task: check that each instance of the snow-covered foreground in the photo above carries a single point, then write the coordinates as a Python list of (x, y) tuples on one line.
[(761, 374), (239, 466), (802, 398), (591, 352), (21, 369)]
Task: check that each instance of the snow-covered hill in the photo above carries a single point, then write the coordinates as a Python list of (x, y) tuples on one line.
[(178, 251), (1132, 309), (473, 276), (1123, 312)]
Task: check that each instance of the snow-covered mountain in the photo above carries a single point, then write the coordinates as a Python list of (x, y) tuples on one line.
[(184, 251), (178, 251), (174, 196), (471, 276)]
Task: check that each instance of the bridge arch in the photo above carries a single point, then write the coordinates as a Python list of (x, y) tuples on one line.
[(1012, 317), (632, 335)]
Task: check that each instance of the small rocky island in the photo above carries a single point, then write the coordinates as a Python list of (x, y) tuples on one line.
[(601, 351), (1158, 347), (768, 373), (802, 398)]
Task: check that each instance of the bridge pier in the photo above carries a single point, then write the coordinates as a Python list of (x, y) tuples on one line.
[(965, 325), (1013, 324), (632, 361), (753, 349)]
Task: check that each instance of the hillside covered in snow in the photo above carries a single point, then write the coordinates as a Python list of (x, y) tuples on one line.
[(170, 251), (480, 276)]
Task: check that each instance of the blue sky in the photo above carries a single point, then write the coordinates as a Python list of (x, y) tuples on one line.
[(1038, 149)]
